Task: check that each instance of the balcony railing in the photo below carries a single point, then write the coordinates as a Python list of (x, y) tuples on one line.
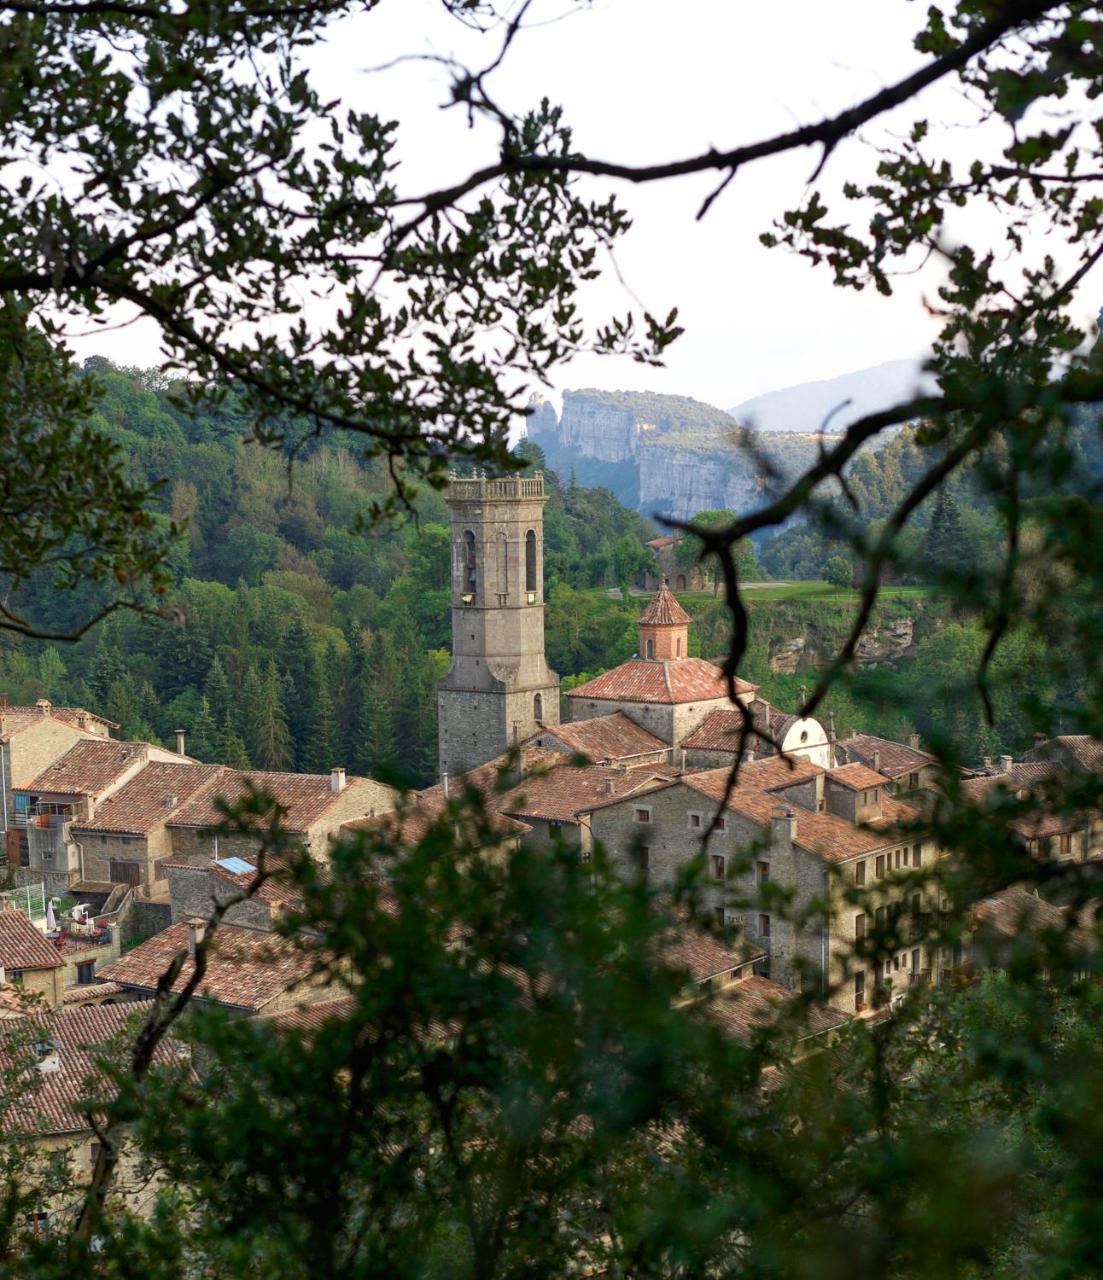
[(482, 489), (919, 977)]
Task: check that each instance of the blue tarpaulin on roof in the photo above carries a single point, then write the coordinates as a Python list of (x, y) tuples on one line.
[(236, 865)]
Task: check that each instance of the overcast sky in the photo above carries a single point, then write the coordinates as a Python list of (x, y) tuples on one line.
[(647, 80)]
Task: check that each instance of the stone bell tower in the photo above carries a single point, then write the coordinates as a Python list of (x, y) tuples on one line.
[(499, 689)]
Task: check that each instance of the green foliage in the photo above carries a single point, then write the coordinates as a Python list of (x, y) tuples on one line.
[(838, 571)]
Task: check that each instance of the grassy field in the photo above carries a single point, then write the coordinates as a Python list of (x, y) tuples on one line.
[(765, 591)]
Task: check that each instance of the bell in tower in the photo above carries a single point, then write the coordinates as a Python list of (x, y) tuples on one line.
[(499, 689)]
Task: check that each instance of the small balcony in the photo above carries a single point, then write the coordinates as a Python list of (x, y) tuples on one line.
[(919, 977)]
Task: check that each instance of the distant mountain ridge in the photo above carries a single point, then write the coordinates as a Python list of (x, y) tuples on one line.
[(808, 405)]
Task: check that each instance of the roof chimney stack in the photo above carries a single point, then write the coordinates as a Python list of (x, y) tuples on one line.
[(337, 781), (43, 705), (197, 931), (1005, 764), (180, 736), (913, 741), (783, 826)]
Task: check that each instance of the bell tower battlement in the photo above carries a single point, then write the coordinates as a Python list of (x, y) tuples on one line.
[(499, 688)]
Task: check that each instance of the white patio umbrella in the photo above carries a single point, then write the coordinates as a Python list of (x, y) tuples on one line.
[(51, 919)]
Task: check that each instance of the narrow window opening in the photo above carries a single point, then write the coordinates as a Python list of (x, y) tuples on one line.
[(470, 565), (530, 560)]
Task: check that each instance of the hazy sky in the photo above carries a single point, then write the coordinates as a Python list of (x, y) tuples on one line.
[(646, 80)]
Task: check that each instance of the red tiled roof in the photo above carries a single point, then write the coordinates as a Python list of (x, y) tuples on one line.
[(23, 946), (689, 946), (56, 1101), (667, 540), (893, 758), (1014, 909), (14, 720), (675, 681), (305, 796), (856, 777), (151, 797), (85, 991), (827, 836), (310, 1018), (754, 1003), (275, 890), (88, 767), (562, 794), (664, 611), (1082, 747), (246, 969), (720, 731), (496, 776), (613, 737)]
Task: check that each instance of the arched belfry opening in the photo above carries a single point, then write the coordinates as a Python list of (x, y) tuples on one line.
[(530, 560), (470, 564), (538, 708)]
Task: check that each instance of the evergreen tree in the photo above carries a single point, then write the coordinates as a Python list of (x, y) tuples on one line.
[(323, 744), (230, 749), (949, 547), (381, 688), (203, 738), (299, 667), (183, 655), (216, 689), (106, 667), (51, 674), (270, 743)]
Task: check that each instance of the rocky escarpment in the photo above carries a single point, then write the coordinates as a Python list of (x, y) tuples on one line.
[(665, 455)]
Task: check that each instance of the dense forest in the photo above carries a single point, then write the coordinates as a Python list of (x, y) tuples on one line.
[(304, 634)]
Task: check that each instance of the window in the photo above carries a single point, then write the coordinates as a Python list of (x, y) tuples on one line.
[(917, 855), (915, 960), (643, 860), (124, 872), (678, 647), (86, 972), (650, 648), (643, 815), (530, 560), (16, 976), (721, 917), (38, 1224), (763, 872), (503, 568), (860, 925), (913, 781), (719, 866), (1064, 843), (24, 850), (859, 991), (879, 866), (899, 858), (721, 824), (538, 707), (860, 873), (469, 577), (764, 926), (695, 822)]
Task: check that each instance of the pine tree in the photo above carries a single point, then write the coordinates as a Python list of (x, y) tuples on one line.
[(216, 689), (270, 745), (105, 667), (376, 741), (230, 749), (183, 659), (323, 744), (51, 673), (203, 738), (949, 547), (299, 666)]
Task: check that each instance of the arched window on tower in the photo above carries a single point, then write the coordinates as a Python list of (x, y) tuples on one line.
[(678, 647), (538, 708), (530, 560), (503, 565), (470, 580), (650, 647)]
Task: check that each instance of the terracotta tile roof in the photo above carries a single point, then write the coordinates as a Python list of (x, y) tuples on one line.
[(305, 796), (410, 825), (52, 1101), (689, 946), (856, 777), (721, 730), (496, 776), (276, 891), (85, 991), (88, 767), (755, 1002), (1012, 910), (613, 737), (829, 837), (23, 945), (246, 969), (562, 794), (310, 1018), (1024, 780), (675, 681), (667, 540), (1084, 749), (664, 611), (14, 720), (775, 773), (894, 758), (151, 797)]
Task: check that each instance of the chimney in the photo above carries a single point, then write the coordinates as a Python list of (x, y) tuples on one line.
[(877, 762), (444, 782), (180, 734), (1005, 764), (913, 741), (682, 759), (783, 826), (43, 705), (49, 1056), (197, 929), (172, 800), (831, 735), (987, 762), (337, 781), (610, 788)]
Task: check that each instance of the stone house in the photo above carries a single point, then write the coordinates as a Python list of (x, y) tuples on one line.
[(69, 792), (694, 577), (908, 766), (127, 839), (316, 806), (31, 738), (611, 739), (792, 829), (28, 959), (1047, 827), (250, 971), (716, 741), (663, 690), (195, 892), (56, 1054)]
